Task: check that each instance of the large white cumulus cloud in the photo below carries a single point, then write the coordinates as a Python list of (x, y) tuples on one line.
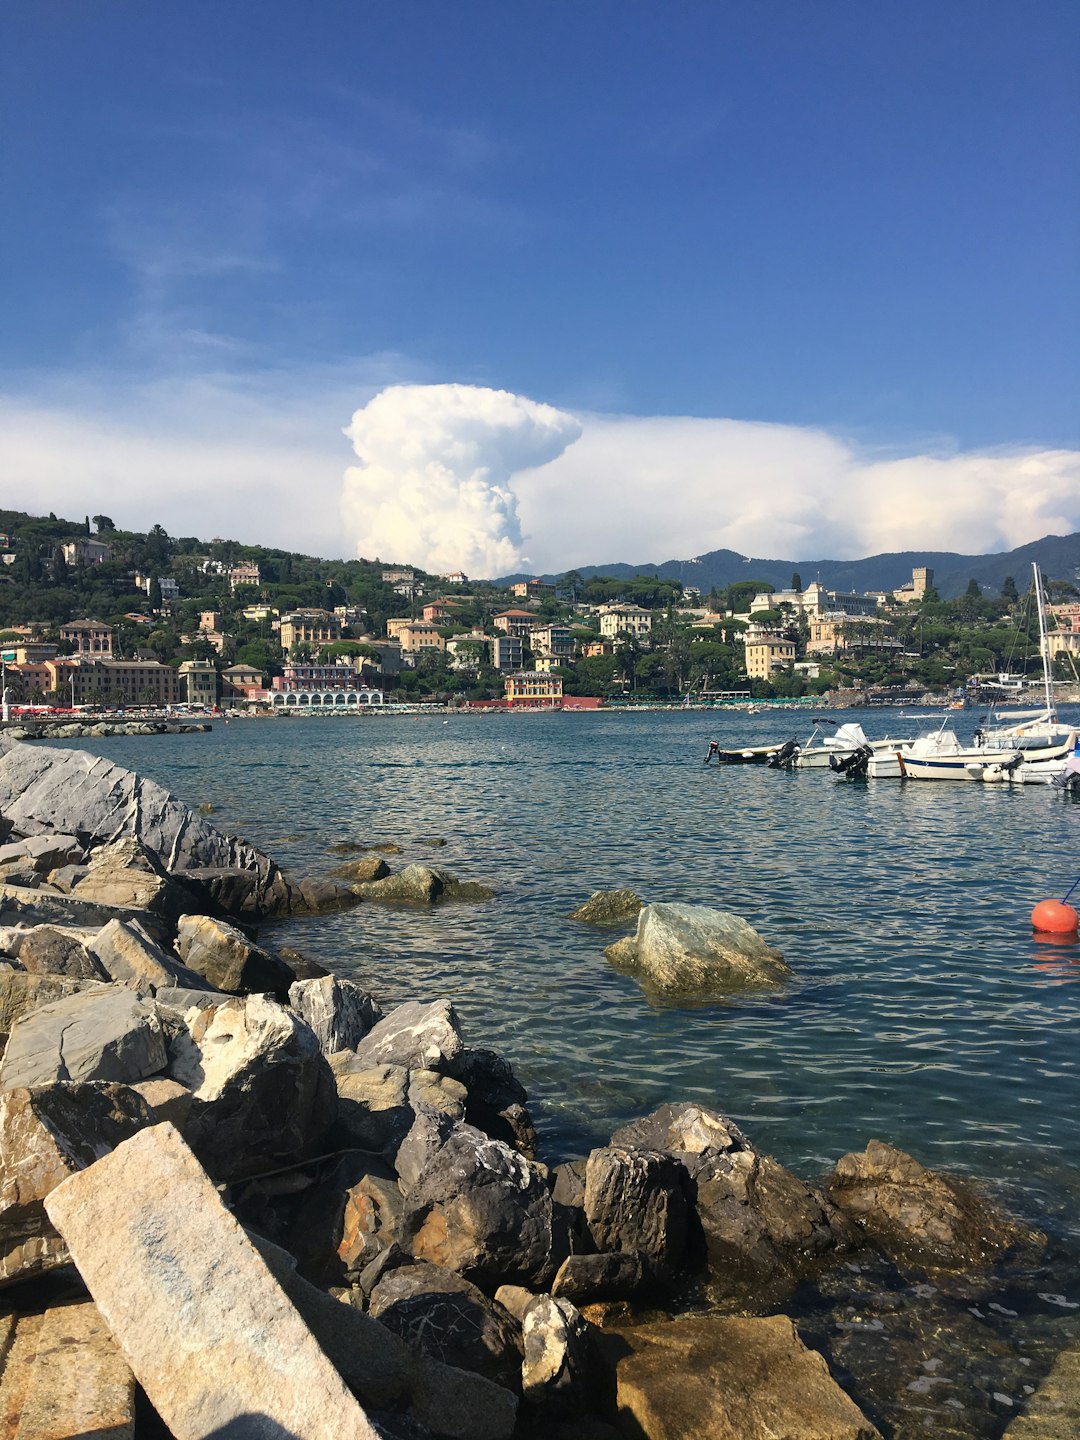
[(433, 485)]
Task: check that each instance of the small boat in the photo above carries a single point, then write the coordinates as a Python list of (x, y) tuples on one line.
[(847, 741), (750, 755)]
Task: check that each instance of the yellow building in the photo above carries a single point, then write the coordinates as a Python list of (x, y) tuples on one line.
[(531, 690), (420, 636), (624, 620), (766, 652)]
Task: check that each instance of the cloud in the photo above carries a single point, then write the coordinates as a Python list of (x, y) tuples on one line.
[(659, 488), (433, 485), (457, 477)]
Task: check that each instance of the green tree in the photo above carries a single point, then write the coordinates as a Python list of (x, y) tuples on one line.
[(1009, 591), (103, 522), (796, 582), (973, 591)]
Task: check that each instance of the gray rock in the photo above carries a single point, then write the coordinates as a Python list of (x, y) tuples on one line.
[(47, 1134), (318, 895), (263, 1094), (106, 1033), (418, 1036), (497, 1102), (20, 993), (635, 1201), (226, 958), (67, 877), (126, 873), (339, 1011), (44, 852), (461, 1405), (415, 885), (131, 956), (442, 1315), (427, 1135), (612, 1276), (555, 1368), (44, 790), (609, 907), (919, 1216), (365, 869), (485, 1211), (53, 950), (373, 1110), (695, 950)]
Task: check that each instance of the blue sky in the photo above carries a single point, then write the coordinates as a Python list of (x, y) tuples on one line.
[(227, 227)]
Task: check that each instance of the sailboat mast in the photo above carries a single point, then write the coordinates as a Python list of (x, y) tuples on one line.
[(1044, 647)]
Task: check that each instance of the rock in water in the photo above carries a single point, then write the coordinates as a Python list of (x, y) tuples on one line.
[(730, 1378), (695, 950), (45, 790), (609, 907), (635, 1201), (153, 1242), (918, 1216)]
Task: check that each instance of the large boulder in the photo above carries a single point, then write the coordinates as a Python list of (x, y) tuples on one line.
[(46, 1134), (421, 1037), (555, 1368), (45, 790), (496, 1101), (730, 1378), (103, 1033), (695, 950), (21, 992), (482, 1209), (128, 954), (42, 852), (60, 950), (635, 1201), (373, 1110), (918, 1216), (224, 956), (444, 1316), (757, 1218), (347, 1219), (420, 885), (339, 1011), (263, 1094), (127, 873)]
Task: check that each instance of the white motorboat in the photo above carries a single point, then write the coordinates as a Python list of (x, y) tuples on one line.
[(821, 750)]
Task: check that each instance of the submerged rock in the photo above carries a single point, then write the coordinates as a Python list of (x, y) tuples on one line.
[(728, 1377), (694, 950), (421, 885), (918, 1216), (609, 907)]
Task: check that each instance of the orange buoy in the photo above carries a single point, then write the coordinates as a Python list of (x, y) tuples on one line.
[(1053, 917)]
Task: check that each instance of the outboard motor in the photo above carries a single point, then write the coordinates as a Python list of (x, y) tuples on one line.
[(854, 766), (785, 757)]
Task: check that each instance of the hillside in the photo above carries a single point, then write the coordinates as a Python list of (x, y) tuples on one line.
[(1058, 557)]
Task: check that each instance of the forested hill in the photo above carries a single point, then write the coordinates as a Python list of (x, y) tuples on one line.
[(1058, 557)]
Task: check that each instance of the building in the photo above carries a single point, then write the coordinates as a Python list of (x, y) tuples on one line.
[(398, 576), (553, 640), (351, 616), (767, 652), (242, 682), (1064, 638), (29, 652), (199, 679), (420, 637), (246, 573), (302, 675), (436, 610), (533, 690), (624, 620), (519, 623), (87, 637), (507, 652), (211, 620), (469, 652), (456, 577), (590, 649), (170, 588), (922, 578), (85, 551), (534, 589), (81, 680), (308, 629), (815, 600), (258, 613), (832, 634)]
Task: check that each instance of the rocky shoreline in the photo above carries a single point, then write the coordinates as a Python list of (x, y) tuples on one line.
[(237, 1198), (97, 729)]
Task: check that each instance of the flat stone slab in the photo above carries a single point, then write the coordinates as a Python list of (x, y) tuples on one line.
[(105, 1033), (209, 1333)]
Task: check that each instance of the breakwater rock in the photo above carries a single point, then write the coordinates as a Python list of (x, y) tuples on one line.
[(297, 1212), (98, 729)]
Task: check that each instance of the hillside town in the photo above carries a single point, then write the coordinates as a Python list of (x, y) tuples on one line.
[(122, 620)]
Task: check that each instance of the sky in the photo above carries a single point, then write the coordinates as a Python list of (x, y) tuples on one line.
[(497, 287)]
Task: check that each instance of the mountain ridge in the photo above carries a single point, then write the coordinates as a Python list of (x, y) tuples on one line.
[(1058, 557)]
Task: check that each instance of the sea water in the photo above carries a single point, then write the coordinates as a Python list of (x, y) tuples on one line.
[(922, 1011)]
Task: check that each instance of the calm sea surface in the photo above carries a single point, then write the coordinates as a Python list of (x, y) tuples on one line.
[(922, 1009)]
